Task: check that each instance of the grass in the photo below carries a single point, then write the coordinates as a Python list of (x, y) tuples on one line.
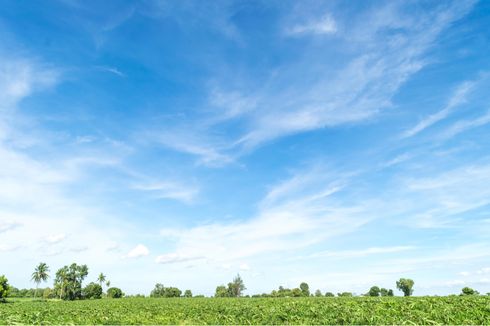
[(358, 310)]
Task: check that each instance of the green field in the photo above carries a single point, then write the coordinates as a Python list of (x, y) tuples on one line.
[(358, 310)]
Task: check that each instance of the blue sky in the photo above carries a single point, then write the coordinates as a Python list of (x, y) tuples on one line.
[(345, 144)]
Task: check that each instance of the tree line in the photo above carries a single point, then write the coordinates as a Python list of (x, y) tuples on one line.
[(68, 281), (67, 285)]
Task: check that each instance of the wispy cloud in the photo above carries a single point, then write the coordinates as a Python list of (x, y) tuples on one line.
[(464, 125), (55, 238), (360, 252), (458, 98), (288, 220), (325, 25), (111, 70), (170, 190), (138, 251)]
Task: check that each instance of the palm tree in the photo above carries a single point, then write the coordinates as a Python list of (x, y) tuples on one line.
[(101, 279), (40, 274)]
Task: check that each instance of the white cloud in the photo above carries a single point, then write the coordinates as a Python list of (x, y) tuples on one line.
[(138, 251), (210, 153), (175, 258), (464, 125), (8, 248), (170, 190), (458, 98), (485, 270), (324, 25), (8, 225), (55, 238), (111, 70), (360, 252), (231, 104), (244, 267), (359, 89), (19, 78), (284, 223)]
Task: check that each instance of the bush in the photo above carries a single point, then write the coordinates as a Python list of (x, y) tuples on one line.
[(469, 291), (115, 293), (49, 294), (160, 291), (4, 287), (92, 291)]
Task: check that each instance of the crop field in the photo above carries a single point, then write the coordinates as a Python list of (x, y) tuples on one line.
[(358, 310)]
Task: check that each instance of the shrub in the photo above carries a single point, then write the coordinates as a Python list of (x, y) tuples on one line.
[(115, 293), (468, 291), (92, 291), (4, 287)]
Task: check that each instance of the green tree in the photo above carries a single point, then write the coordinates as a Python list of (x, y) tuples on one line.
[(385, 292), (406, 286), (101, 279), (469, 291), (305, 289), (188, 293), (221, 292), (329, 294), (158, 291), (345, 294), (374, 291), (68, 281), (236, 287), (48, 293), (40, 275), (114, 293), (168, 292), (4, 287), (318, 293), (92, 291)]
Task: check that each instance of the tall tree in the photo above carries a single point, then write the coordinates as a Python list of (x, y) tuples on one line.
[(236, 287), (101, 279), (305, 289), (406, 286), (40, 275), (68, 281)]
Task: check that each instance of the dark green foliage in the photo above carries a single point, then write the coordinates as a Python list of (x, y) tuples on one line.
[(114, 293), (318, 293), (92, 291), (302, 291), (385, 292), (188, 294), (68, 281), (236, 287), (165, 292), (221, 292), (4, 287), (374, 291), (469, 291), (305, 289), (345, 294), (329, 294), (405, 285)]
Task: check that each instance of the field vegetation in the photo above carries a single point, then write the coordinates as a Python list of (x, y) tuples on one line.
[(303, 310), (69, 302)]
